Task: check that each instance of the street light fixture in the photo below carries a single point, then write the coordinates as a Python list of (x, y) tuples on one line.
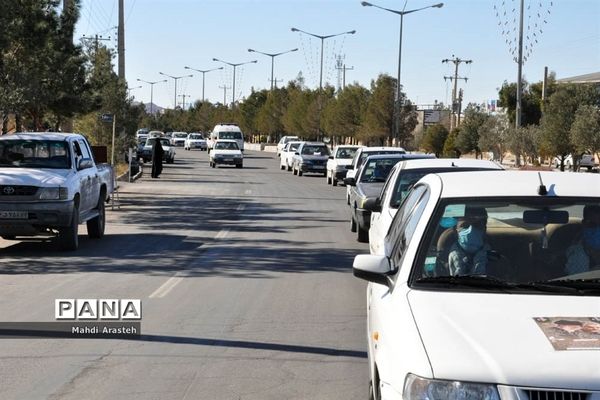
[(234, 67), (151, 92), (401, 14), (203, 71), (323, 37), (272, 55), (176, 78)]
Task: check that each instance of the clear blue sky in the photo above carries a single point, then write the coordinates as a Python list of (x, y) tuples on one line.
[(166, 35)]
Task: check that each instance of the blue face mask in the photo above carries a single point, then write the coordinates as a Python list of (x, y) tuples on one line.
[(470, 239), (591, 237)]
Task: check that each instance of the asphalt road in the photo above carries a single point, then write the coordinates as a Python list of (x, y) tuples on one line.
[(245, 276)]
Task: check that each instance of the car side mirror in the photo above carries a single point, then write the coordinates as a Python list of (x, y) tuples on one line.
[(373, 268), (350, 181), (85, 163), (372, 204)]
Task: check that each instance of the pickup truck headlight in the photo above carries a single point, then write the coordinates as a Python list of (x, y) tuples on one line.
[(55, 193), (417, 388)]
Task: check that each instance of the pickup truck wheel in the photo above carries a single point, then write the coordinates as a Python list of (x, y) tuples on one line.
[(363, 235), (95, 226), (68, 237)]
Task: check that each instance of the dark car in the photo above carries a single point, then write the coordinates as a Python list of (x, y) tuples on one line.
[(368, 182), (311, 157)]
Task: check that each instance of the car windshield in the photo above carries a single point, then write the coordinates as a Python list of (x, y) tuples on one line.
[(364, 155), (377, 170), (163, 142), (180, 135), (196, 137), (230, 135), (345, 153), (34, 154), (293, 146), (315, 150), (530, 243), (290, 138), (226, 146)]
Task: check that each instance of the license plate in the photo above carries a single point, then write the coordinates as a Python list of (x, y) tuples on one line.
[(14, 214), (319, 167), (228, 159)]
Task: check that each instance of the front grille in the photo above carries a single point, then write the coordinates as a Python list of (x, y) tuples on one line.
[(17, 190), (319, 162), (548, 395)]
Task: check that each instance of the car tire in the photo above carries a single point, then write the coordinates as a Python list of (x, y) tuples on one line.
[(239, 166), (300, 172), (352, 224), (295, 171), (282, 167), (68, 236), (289, 168), (328, 178), (213, 165), (334, 182), (96, 225), (362, 235)]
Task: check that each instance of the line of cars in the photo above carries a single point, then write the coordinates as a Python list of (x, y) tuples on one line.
[(482, 283)]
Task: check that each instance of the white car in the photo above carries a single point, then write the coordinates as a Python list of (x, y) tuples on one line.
[(586, 161), (283, 141), (195, 141), (401, 179), (178, 139), (473, 299), (336, 166), (287, 154), (361, 155), (226, 152)]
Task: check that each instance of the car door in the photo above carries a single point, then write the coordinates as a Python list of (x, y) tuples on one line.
[(88, 179)]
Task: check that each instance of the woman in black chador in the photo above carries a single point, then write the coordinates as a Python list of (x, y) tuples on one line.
[(157, 158)]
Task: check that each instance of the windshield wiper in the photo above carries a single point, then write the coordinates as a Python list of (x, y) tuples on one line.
[(481, 281), (581, 286)]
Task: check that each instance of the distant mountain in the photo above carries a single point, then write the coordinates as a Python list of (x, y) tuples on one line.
[(156, 109)]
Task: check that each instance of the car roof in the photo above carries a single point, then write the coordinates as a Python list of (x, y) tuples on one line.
[(315, 143), (402, 156), (515, 183), (424, 163), (226, 141), (39, 136), (386, 148), (227, 127), (347, 146)]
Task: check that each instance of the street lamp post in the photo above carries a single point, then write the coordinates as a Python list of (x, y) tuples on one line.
[(323, 37), (203, 71), (176, 78), (234, 67), (272, 55), (151, 92), (398, 89)]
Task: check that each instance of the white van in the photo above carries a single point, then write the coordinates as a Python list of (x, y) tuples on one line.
[(226, 131)]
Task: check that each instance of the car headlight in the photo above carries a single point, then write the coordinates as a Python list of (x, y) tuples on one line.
[(417, 388), (54, 193)]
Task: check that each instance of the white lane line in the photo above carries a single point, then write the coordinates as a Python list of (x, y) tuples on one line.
[(241, 207), (166, 287), (222, 234)]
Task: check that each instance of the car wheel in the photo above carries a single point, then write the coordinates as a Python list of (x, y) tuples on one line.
[(95, 226), (352, 224), (300, 172), (282, 167), (328, 178), (289, 168), (239, 166), (68, 236), (334, 181), (212, 165), (295, 171), (363, 235)]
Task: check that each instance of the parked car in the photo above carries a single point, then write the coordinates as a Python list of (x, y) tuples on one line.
[(404, 175), (586, 161), (155, 134), (226, 152), (178, 139), (361, 155), (169, 150), (336, 165), (195, 141), (368, 183), (284, 140), (516, 324), (287, 154), (142, 132), (310, 157), (49, 184)]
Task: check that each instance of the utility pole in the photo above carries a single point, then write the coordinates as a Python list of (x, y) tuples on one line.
[(67, 124), (121, 40), (343, 68), (455, 109), (183, 96), (275, 80), (224, 87)]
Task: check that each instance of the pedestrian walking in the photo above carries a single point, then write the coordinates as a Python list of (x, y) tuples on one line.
[(157, 158)]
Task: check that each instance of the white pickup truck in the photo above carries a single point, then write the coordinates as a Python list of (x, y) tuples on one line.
[(49, 184)]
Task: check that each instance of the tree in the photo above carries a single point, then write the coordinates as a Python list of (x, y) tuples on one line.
[(468, 137), (494, 136), (585, 130), (450, 148), (377, 124), (434, 139), (344, 115)]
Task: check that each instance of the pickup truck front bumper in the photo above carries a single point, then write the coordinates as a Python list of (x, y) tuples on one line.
[(41, 216)]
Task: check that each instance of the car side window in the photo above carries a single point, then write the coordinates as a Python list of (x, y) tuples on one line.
[(84, 149), (404, 223), (383, 196)]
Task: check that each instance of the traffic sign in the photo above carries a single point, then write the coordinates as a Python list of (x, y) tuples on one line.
[(106, 118)]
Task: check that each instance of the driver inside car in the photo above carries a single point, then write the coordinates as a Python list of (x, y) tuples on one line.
[(584, 255)]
